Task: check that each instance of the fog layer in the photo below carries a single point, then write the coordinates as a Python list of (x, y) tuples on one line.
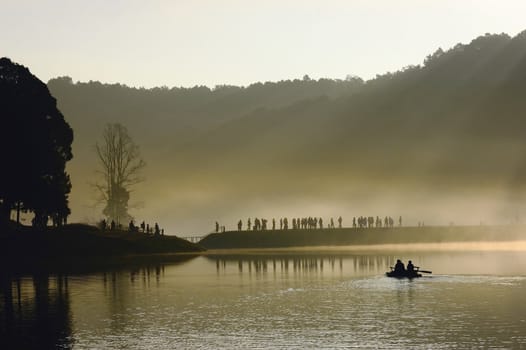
[(437, 143)]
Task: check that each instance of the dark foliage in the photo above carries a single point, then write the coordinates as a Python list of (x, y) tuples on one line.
[(35, 144)]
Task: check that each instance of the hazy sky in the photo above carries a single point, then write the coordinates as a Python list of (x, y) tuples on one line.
[(195, 42)]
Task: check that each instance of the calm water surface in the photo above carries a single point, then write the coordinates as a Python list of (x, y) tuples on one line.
[(287, 299)]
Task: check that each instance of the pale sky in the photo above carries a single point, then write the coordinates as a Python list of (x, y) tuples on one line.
[(207, 42)]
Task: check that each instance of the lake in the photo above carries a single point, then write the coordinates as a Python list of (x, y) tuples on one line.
[(296, 299)]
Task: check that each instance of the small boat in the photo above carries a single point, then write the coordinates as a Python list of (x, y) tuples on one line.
[(406, 274)]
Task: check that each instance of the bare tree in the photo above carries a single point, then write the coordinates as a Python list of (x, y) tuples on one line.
[(120, 165)]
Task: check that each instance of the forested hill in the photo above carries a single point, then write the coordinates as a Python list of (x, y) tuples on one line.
[(458, 118), (181, 112), (455, 122)]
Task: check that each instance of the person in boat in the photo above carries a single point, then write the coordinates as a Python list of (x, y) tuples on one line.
[(410, 267), (399, 267)]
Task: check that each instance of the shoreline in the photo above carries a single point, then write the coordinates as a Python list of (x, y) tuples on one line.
[(362, 236), (81, 248)]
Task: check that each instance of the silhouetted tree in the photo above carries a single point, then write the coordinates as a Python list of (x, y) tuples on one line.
[(120, 164), (35, 144)]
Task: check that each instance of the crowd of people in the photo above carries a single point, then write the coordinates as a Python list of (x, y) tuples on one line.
[(309, 223), (143, 227), (371, 221)]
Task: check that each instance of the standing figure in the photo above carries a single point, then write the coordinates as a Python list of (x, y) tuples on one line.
[(239, 225), (340, 222), (217, 226)]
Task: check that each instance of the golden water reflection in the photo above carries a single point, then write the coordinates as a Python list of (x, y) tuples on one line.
[(273, 299)]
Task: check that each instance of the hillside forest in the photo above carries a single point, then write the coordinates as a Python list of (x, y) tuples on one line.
[(438, 142)]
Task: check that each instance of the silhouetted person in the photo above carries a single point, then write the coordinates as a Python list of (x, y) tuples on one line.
[(273, 224), (112, 225), (281, 224), (239, 225), (157, 230), (320, 222), (340, 222), (148, 228), (143, 227), (400, 221), (285, 224), (399, 266), (410, 267), (103, 225), (217, 227), (131, 226), (248, 224)]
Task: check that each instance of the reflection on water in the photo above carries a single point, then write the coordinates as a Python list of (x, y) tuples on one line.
[(35, 312), (300, 263), (292, 300)]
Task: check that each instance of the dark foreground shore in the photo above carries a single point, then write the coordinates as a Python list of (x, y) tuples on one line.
[(79, 247), (363, 236)]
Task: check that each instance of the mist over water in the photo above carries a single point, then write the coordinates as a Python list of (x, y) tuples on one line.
[(433, 151)]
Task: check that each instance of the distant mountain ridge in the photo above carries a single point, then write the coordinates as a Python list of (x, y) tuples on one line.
[(456, 121)]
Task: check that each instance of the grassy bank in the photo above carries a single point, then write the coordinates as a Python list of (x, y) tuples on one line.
[(82, 246), (352, 236)]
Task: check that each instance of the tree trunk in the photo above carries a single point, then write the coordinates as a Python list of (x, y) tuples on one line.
[(5, 212), (18, 213)]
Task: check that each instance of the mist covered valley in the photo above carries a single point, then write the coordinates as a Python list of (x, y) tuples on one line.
[(439, 143)]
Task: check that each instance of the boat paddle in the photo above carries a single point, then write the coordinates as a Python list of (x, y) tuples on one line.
[(423, 271)]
